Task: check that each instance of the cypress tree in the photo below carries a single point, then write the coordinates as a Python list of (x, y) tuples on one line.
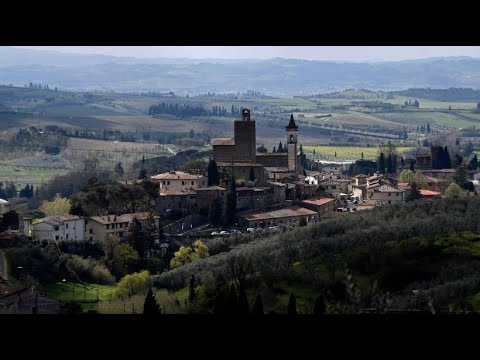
[(142, 174), (231, 206), (191, 289), (219, 305), (252, 174), (231, 305), (473, 163), (319, 307), (414, 193), (447, 163), (213, 175), (381, 163), (389, 164), (258, 306), (280, 147), (150, 306), (292, 305), (242, 300), (412, 165)]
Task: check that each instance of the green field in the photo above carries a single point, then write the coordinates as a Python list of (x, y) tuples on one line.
[(22, 176), (346, 152), (85, 296)]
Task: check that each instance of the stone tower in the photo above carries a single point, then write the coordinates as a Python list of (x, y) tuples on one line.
[(245, 138), (292, 131)]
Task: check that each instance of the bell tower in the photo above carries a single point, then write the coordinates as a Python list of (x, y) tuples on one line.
[(292, 130)]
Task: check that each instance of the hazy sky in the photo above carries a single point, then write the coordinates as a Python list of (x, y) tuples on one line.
[(341, 53)]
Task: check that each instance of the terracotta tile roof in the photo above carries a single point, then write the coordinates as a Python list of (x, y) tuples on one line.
[(210, 188), (361, 176), (177, 175), (330, 182), (110, 219), (435, 180), (277, 169), (282, 213), (60, 218), (223, 142), (387, 188), (319, 201), (429, 193)]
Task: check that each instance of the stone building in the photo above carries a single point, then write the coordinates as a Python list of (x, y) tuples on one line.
[(286, 216), (179, 180), (239, 155)]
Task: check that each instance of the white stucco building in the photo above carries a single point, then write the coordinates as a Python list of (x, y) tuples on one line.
[(60, 227)]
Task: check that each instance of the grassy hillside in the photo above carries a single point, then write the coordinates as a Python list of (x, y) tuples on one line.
[(371, 259)]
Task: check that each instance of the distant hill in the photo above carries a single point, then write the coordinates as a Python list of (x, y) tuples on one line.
[(284, 77), (451, 94)]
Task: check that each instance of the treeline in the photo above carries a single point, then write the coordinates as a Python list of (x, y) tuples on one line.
[(247, 94), (379, 106), (415, 104), (450, 94), (39, 86), (424, 128), (190, 138), (391, 248), (162, 164), (440, 157), (184, 111), (102, 198)]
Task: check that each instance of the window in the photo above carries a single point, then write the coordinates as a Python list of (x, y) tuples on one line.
[(56, 237), (91, 238), (66, 225), (163, 182), (91, 231), (66, 236), (389, 194), (108, 226), (398, 194), (203, 182), (55, 228), (183, 182), (334, 187), (389, 201), (192, 183), (168, 182), (120, 234)]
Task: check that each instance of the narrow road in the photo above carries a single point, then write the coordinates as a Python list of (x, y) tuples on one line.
[(3, 266), (169, 150)]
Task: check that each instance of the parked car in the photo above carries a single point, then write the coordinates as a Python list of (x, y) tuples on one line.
[(342, 209), (250, 230), (235, 231), (215, 233), (273, 228), (224, 233)]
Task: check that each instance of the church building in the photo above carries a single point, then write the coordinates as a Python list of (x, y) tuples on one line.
[(240, 155)]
